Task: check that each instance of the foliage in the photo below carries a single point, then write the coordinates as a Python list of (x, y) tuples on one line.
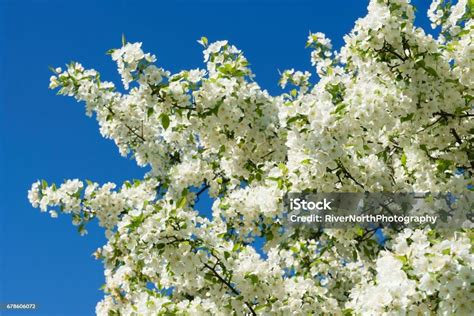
[(391, 111)]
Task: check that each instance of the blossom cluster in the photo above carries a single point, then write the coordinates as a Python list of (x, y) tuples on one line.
[(392, 111), (422, 272)]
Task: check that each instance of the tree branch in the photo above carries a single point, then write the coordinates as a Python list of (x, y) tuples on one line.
[(348, 175), (229, 286)]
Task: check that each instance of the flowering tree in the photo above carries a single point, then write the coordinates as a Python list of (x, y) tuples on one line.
[(391, 111)]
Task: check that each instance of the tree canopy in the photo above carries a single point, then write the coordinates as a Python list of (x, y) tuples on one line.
[(391, 111)]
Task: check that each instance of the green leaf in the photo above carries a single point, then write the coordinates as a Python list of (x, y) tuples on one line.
[(236, 247), (403, 259), (81, 228), (292, 119), (210, 277), (224, 206), (407, 117), (340, 108), (431, 71), (269, 235), (136, 221), (424, 148), (403, 160), (443, 165), (252, 277), (306, 161), (150, 111), (260, 308), (222, 149), (181, 203), (280, 183), (124, 41), (348, 312), (283, 168), (165, 120), (204, 41)]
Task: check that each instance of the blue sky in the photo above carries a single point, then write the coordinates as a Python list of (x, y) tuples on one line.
[(45, 261)]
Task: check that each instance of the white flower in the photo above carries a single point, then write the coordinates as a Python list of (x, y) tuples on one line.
[(213, 49), (428, 284), (196, 75), (457, 11), (33, 194)]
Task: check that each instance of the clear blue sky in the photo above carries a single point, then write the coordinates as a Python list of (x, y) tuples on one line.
[(45, 261)]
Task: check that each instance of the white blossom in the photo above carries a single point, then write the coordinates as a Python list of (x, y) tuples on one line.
[(391, 111)]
